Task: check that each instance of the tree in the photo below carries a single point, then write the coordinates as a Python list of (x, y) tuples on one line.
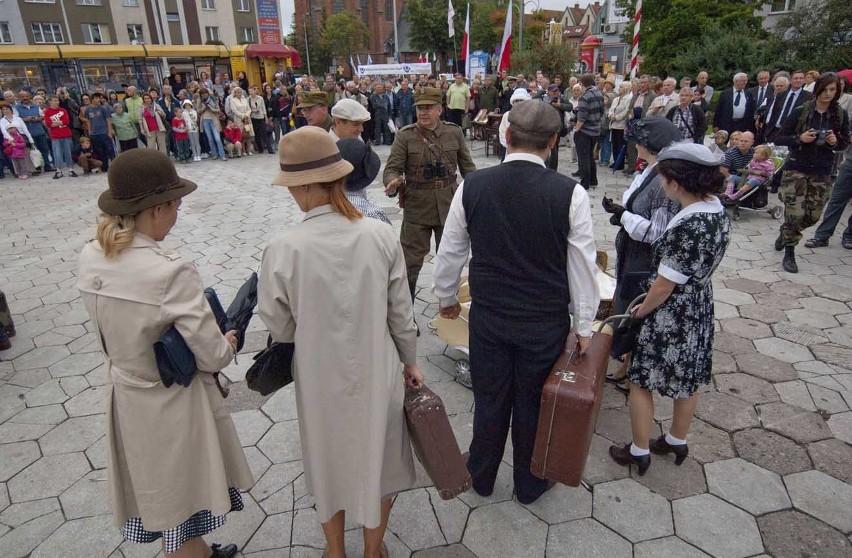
[(817, 34), (551, 59), (428, 27), (320, 58), (343, 34)]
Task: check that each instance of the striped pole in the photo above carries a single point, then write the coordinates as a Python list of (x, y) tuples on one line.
[(634, 57)]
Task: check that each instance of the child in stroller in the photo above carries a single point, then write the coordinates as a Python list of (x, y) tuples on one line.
[(759, 169)]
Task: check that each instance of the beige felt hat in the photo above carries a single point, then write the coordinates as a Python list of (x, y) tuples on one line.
[(309, 156)]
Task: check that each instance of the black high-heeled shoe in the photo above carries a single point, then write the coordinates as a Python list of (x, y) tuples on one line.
[(622, 456), (661, 447), (220, 551)]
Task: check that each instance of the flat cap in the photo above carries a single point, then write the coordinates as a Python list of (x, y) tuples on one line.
[(553, 87), (688, 151), (535, 118), (350, 109), (312, 99), (427, 96)]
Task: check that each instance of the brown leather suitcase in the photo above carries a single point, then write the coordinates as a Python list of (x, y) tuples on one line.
[(435, 443), (570, 402)]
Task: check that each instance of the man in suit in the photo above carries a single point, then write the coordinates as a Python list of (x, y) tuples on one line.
[(666, 101), (763, 91), (767, 113), (735, 110)]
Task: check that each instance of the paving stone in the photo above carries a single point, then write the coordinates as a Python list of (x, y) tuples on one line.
[(771, 451), (796, 393), (274, 491), (823, 497), (241, 526), (49, 476), (798, 334), (762, 313), (586, 538), (792, 534), (307, 530), (670, 480), (505, 529), (833, 354), (668, 547), (281, 406), (707, 443), (783, 350), (723, 363), (76, 365), (733, 297), (4, 497), (75, 434), (451, 551), (746, 285), (87, 497), (748, 329), (827, 400), (726, 412), (723, 311), (43, 357), (11, 432), (453, 515), (746, 387), (18, 514), (503, 491), (724, 342), (22, 540), (832, 457), (29, 378), (74, 385), (281, 442), (790, 289), (258, 463), (81, 538), (48, 393), (15, 457), (744, 484), (798, 425), (614, 425), (841, 426), (274, 533), (414, 523), (251, 425), (88, 402), (563, 503), (716, 527), (812, 318), (633, 511), (766, 367), (97, 454)]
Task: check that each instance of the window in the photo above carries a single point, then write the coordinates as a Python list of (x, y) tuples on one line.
[(172, 16), (90, 2), (337, 6), (247, 34), (47, 33), (208, 5), (5, 34), (130, 3), (364, 15), (389, 10), (41, 1), (212, 33), (782, 6), (243, 6), (134, 32), (95, 33)]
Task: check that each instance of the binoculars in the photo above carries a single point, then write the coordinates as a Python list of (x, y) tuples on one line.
[(435, 170)]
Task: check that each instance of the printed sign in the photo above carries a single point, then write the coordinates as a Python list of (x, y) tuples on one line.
[(394, 69), (268, 22)]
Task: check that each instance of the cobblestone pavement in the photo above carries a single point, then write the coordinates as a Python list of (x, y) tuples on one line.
[(770, 470)]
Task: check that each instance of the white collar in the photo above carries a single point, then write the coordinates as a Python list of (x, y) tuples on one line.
[(712, 206), (528, 157)]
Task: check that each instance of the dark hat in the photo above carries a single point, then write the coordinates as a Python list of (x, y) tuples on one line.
[(313, 98), (654, 133), (364, 159), (553, 87), (427, 96), (689, 151), (139, 179), (535, 118)]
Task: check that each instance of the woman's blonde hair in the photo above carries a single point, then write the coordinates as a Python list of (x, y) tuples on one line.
[(764, 150), (115, 233), (338, 199)]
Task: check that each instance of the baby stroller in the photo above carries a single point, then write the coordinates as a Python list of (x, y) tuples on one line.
[(456, 335), (755, 199)]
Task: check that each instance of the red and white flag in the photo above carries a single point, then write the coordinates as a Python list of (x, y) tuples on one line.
[(465, 49), (506, 43)]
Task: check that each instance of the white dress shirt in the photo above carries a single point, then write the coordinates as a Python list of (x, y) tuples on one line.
[(637, 227), (739, 110), (582, 269)]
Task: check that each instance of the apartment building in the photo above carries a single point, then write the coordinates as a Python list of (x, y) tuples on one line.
[(165, 22)]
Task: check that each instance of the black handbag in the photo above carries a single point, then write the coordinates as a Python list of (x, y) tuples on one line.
[(627, 332), (272, 368), (241, 310), (175, 360)]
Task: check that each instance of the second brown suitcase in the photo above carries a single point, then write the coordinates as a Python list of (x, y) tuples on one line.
[(570, 402), (435, 443)]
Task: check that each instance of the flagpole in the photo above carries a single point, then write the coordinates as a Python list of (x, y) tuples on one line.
[(395, 34), (455, 55), (634, 57)]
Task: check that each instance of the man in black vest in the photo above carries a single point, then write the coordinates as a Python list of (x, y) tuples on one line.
[(530, 230)]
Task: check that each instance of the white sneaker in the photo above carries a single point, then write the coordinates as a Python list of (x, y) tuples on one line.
[(197, 159), (205, 156)]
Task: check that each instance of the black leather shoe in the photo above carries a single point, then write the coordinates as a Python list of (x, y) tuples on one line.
[(622, 456), (220, 551), (779, 242), (789, 261), (661, 447), (527, 501), (846, 243), (816, 243)]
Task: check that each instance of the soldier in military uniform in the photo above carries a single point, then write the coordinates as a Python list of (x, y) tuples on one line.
[(314, 107), (422, 167)]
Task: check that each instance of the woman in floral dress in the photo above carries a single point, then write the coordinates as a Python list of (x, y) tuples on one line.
[(674, 349)]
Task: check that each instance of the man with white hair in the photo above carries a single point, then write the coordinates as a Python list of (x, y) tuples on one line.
[(666, 101), (349, 117), (735, 110), (768, 113), (701, 81)]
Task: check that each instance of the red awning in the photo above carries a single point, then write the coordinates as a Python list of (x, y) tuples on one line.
[(274, 51)]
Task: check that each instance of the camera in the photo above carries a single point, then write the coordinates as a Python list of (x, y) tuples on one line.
[(435, 170), (820, 136)]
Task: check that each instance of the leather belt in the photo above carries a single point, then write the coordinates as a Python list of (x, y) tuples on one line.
[(438, 184)]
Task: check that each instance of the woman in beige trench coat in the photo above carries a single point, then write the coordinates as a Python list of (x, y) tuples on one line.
[(336, 285), (175, 463)]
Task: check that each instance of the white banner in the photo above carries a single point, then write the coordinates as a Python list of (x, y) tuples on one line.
[(394, 69)]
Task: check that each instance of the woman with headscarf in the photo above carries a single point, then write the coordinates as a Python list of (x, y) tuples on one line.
[(365, 164), (336, 285), (644, 215), (175, 463)]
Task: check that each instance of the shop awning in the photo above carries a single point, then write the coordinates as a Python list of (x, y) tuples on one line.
[(274, 51)]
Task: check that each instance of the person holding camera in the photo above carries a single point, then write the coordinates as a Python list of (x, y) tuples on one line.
[(421, 169), (813, 132)]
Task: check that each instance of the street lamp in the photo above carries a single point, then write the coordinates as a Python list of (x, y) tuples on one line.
[(307, 48)]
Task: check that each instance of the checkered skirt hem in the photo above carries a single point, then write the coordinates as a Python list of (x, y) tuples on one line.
[(196, 526)]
